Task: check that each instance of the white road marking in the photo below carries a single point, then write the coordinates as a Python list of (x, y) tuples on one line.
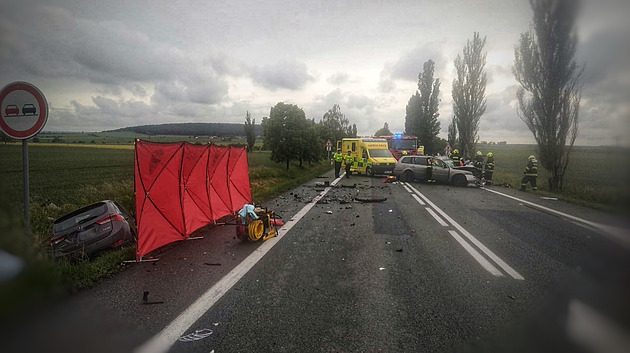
[(476, 255), (471, 238), (437, 218), (163, 341), (593, 331), (406, 188), (418, 199), (618, 234)]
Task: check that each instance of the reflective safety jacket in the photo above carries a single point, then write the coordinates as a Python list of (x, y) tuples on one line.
[(455, 158), (490, 164), (532, 168), (478, 162), (338, 157), (348, 159)]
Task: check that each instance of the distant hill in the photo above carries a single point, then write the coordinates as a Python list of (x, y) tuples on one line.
[(192, 129)]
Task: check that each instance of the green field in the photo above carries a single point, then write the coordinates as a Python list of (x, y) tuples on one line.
[(595, 177)]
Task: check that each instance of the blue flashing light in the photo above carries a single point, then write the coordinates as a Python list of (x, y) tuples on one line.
[(398, 136)]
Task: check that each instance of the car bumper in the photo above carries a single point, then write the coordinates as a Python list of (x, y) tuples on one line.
[(383, 169)]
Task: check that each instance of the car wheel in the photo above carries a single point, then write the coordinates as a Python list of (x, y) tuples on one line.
[(408, 176), (460, 180), (368, 172)]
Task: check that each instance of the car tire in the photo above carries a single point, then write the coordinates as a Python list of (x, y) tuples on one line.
[(408, 176), (460, 180), (368, 172)]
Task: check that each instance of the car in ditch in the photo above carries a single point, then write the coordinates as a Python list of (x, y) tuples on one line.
[(410, 168), (99, 226)]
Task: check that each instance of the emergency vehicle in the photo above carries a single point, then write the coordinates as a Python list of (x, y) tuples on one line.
[(400, 145), (371, 155)]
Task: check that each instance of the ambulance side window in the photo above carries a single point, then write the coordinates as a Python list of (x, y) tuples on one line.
[(354, 146), (365, 156)]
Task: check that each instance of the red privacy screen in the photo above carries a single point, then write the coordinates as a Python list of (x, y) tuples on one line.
[(181, 187)]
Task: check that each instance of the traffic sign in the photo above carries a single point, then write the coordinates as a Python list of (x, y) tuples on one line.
[(23, 110)]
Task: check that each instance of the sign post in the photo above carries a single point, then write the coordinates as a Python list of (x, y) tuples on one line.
[(23, 113), (328, 148)]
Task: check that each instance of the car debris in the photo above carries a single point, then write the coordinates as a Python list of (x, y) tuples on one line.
[(145, 299)]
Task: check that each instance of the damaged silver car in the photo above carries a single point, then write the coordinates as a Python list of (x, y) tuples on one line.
[(99, 226)]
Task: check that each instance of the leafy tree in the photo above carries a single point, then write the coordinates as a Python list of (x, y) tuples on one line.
[(352, 131), (335, 125), (412, 114), (384, 131), (428, 126), (250, 132), (549, 98), (469, 91), (286, 133), (452, 132)]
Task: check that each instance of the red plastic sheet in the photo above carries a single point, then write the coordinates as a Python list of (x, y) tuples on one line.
[(181, 187)]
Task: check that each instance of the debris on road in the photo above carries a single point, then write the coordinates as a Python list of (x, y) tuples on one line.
[(381, 268), (196, 336), (329, 212), (212, 264), (549, 198), (145, 299), (399, 250)]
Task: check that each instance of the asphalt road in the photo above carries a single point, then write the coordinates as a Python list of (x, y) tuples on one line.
[(423, 268)]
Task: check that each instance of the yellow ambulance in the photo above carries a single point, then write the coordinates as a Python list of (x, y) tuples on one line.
[(371, 155)]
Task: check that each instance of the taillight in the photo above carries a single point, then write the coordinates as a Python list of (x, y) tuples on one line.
[(112, 218), (57, 240)]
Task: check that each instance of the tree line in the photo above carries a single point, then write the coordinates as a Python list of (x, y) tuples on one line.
[(290, 136)]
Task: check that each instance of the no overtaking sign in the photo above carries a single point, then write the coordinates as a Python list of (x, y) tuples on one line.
[(23, 110)]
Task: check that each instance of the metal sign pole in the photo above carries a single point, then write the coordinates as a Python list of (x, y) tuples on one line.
[(27, 222)]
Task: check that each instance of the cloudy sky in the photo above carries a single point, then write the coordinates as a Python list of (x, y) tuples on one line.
[(107, 64)]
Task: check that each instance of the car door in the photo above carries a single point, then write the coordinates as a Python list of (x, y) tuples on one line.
[(420, 167), (440, 171)]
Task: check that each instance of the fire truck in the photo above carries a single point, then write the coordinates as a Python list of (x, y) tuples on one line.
[(400, 145)]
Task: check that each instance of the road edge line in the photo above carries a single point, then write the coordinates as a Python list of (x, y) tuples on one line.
[(165, 339)]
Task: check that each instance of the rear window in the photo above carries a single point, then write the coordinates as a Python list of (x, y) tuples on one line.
[(79, 216), (380, 153)]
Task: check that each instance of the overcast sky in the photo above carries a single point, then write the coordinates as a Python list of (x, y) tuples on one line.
[(109, 64)]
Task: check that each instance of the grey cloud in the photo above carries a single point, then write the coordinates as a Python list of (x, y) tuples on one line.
[(410, 64), (110, 54), (292, 75), (338, 78)]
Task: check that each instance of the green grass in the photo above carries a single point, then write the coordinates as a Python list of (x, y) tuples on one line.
[(595, 177), (66, 177)]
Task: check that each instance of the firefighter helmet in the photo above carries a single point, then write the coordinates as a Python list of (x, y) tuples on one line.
[(456, 151), (532, 157), (479, 153), (490, 154)]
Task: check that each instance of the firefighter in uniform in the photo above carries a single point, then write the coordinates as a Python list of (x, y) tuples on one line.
[(338, 158), (489, 168), (531, 173), (348, 159), (455, 157), (478, 164)]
